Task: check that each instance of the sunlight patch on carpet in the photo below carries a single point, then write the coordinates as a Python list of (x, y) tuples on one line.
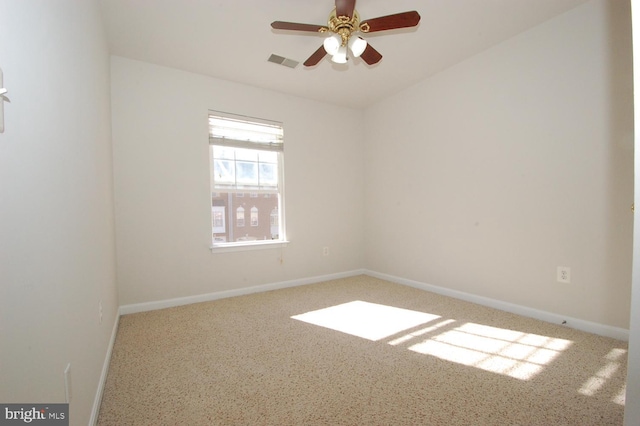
[(370, 321), (604, 374), (507, 352), (415, 334), (620, 397)]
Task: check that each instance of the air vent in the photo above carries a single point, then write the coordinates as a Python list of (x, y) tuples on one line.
[(283, 61)]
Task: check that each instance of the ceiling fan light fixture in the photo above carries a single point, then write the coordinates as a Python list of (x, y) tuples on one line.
[(342, 26), (341, 56), (357, 46), (332, 44)]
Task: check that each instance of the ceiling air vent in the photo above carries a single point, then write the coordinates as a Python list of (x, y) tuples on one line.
[(283, 61)]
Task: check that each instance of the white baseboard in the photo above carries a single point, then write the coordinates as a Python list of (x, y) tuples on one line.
[(590, 327), (169, 303), (103, 376)]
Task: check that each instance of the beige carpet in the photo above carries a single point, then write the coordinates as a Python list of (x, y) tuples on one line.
[(358, 351)]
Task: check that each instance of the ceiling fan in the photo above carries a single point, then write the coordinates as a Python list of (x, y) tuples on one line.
[(342, 28)]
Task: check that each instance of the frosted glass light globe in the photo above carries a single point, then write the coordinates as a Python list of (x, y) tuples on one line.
[(357, 46), (341, 56), (332, 44)]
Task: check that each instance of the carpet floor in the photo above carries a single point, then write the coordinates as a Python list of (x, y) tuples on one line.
[(358, 351)]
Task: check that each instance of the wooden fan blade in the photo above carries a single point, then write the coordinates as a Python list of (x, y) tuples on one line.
[(345, 7), (316, 57), (370, 55), (294, 26), (390, 22)]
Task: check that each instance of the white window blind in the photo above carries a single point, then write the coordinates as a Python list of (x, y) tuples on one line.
[(245, 132)]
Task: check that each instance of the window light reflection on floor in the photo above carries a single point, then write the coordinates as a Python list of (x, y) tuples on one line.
[(507, 352), (410, 336), (600, 378), (620, 397), (512, 353), (370, 321)]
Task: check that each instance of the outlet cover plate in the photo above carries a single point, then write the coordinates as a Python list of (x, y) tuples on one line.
[(564, 274)]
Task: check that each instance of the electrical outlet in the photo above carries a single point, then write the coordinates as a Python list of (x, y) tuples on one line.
[(564, 274), (100, 311), (325, 251), (67, 383)]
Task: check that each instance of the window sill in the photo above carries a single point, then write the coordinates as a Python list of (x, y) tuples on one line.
[(248, 246)]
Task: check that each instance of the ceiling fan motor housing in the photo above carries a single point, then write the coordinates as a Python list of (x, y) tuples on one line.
[(344, 25)]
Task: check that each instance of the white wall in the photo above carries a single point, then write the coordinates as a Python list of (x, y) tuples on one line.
[(489, 175), (162, 193), (494, 172), (57, 250)]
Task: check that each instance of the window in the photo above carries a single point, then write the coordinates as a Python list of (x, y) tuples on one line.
[(254, 216), (217, 213), (274, 221), (246, 155), (240, 217)]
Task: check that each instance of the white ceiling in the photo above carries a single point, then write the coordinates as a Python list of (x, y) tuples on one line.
[(232, 39)]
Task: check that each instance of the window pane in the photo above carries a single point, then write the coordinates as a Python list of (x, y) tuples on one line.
[(247, 168), (224, 171), (246, 154), (268, 174), (262, 214), (224, 152), (268, 157), (247, 172)]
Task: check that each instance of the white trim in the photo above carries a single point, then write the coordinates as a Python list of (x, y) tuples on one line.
[(169, 303), (588, 326), (252, 245), (95, 412)]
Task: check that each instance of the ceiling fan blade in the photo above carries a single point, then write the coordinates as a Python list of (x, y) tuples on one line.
[(316, 57), (370, 55), (345, 7), (390, 22), (294, 26)]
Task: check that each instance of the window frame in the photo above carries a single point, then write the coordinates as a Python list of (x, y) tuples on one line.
[(229, 246)]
